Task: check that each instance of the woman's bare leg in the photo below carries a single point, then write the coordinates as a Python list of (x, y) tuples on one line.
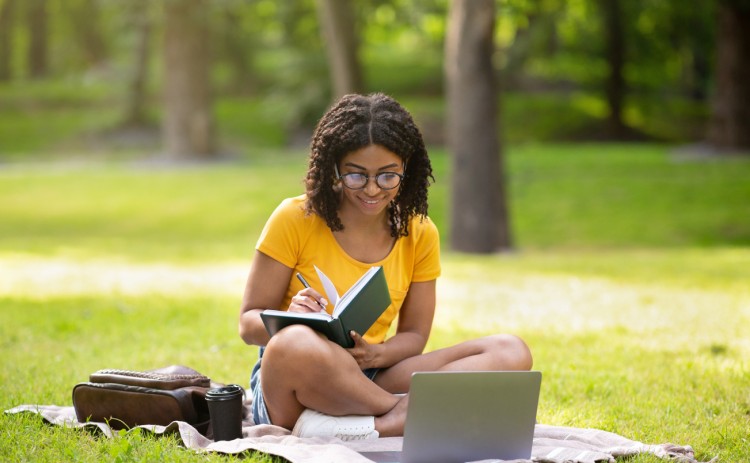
[(301, 369), (492, 353)]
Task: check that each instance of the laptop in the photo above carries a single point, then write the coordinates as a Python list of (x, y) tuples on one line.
[(457, 417)]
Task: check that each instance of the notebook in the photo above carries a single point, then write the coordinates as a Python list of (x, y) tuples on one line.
[(457, 417)]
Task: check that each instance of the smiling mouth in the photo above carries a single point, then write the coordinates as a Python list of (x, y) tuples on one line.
[(371, 202)]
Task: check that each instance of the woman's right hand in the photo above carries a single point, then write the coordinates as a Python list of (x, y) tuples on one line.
[(308, 300)]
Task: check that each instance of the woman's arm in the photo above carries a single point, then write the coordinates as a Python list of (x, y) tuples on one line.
[(266, 286), (414, 325)]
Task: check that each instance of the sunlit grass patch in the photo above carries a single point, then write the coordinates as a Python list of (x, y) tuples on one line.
[(35, 278)]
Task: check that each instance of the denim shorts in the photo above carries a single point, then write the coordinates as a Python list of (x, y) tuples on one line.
[(260, 412)]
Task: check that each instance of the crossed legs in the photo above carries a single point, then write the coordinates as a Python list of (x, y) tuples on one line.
[(301, 369)]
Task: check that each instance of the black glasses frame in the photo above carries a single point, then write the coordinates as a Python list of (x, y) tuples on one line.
[(367, 178)]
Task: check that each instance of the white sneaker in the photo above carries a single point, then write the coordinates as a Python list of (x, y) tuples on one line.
[(347, 428)]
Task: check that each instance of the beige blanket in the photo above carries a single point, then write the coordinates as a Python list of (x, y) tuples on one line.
[(552, 444)]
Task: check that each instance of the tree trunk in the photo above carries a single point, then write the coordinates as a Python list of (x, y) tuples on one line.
[(340, 36), (700, 74), (480, 219), (135, 110), (37, 23), (86, 19), (615, 54), (730, 120), (6, 39), (188, 126)]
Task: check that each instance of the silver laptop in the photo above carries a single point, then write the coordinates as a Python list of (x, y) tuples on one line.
[(457, 417)]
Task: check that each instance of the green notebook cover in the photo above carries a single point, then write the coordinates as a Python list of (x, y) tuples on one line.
[(356, 310)]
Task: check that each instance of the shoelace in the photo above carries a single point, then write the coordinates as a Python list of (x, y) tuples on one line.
[(353, 433), (352, 437)]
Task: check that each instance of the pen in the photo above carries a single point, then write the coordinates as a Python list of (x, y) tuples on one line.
[(302, 279), (307, 285)]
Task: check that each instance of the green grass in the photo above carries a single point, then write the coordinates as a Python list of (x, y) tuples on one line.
[(630, 284), (134, 213), (569, 197), (582, 195)]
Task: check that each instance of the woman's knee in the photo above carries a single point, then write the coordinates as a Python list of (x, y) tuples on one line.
[(512, 352), (295, 344)]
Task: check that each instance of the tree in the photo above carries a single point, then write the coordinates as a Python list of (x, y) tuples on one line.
[(339, 30), (188, 125), (86, 19), (135, 109), (6, 38), (615, 54), (37, 24), (479, 222), (730, 120)]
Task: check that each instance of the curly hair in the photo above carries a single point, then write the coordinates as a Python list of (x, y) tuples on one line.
[(355, 122)]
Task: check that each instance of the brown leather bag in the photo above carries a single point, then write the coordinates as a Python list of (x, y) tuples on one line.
[(124, 399)]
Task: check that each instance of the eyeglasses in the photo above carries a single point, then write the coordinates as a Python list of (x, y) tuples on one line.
[(357, 180)]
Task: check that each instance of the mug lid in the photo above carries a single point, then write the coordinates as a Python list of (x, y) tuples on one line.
[(225, 393)]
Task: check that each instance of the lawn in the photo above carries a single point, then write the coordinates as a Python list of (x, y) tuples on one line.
[(630, 284)]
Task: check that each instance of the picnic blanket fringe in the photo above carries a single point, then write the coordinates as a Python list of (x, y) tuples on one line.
[(552, 444)]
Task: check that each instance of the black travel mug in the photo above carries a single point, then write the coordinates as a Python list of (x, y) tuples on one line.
[(225, 408)]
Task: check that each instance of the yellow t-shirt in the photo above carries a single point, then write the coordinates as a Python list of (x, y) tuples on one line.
[(301, 241)]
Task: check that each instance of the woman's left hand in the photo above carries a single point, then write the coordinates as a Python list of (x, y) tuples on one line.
[(364, 353)]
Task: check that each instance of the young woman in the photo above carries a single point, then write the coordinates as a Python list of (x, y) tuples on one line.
[(365, 205)]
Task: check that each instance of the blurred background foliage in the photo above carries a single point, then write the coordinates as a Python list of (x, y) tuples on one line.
[(68, 68)]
